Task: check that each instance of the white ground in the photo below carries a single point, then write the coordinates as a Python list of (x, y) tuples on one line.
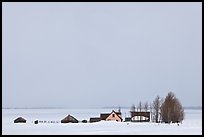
[(192, 124)]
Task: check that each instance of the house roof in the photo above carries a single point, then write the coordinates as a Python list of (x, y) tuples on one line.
[(69, 118), (19, 119), (118, 114), (145, 114), (105, 115)]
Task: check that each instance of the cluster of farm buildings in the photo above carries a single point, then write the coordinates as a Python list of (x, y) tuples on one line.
[(112, 116)]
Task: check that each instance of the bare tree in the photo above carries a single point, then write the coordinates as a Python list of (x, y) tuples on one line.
[(119, 109), (151, 111), (178, 114), (140, 106), (156, 109), (133, 108), (171, 109), (146, 106)]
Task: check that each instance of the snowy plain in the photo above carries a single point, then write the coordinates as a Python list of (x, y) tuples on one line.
[(192, 124)]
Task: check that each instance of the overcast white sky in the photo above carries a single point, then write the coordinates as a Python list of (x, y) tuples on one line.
[(80, 55)]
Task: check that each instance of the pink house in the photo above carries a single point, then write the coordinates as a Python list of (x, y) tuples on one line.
[(113, 116)]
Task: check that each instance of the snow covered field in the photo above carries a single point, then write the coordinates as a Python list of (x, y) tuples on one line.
[(191, 125)]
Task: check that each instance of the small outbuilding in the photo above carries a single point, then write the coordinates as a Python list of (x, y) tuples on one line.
[(20, 120), (127, 119), (69, 119), (94, 119), (84, 121), (36, 122)]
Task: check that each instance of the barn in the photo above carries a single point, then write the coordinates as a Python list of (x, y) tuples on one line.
[(69, 119), (20, 120)]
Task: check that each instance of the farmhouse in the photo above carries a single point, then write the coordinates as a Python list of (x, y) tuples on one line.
[(113, 116), (69, 119), (20, 120)]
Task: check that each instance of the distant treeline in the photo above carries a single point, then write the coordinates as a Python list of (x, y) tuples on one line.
[(190, 107), (32, 108), (199, 107)]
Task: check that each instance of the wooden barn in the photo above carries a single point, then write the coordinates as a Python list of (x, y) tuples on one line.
[(69, 119), (20, 120), (140, 116)]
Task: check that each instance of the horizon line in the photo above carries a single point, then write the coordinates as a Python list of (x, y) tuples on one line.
[(105, 107)]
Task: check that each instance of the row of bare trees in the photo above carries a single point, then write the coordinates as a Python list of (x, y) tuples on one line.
[(162, 110), (140, 107), (155, 111)]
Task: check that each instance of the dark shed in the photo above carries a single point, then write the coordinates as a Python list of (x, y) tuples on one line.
[(69, 119), (127, 119), (36, 122), (20, 120), (94, 119)]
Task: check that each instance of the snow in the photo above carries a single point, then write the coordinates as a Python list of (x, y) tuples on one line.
[(192, 125)]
